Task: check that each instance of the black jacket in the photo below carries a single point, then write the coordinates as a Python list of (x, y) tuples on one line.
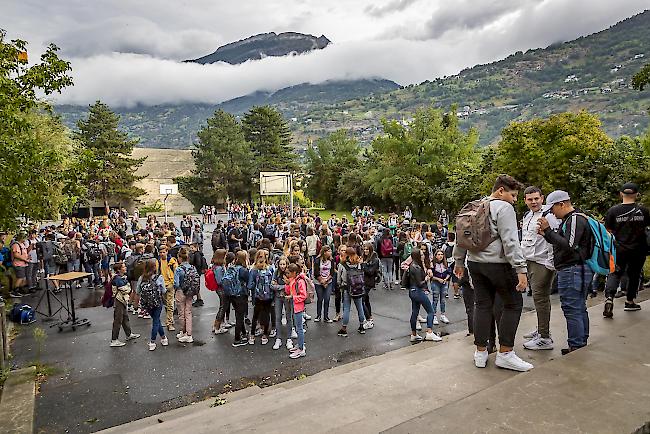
[(417, 276), (573, 242), (370, 271)]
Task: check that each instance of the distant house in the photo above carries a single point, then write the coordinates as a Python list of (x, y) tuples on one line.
[(570, 78), (605, 90), (639, 56)]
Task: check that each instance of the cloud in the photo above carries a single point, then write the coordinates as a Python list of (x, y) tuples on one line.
[(389, 8)]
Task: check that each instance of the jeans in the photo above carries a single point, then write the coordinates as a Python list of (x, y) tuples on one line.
[(73, 265), (630, 264), (156, 326), (323, 294), (297, 319), (387, 271), (541, 279), (488, 280), (184, 312), (285, 304), (120, 319), (240, 304), (439, 290), (347, 301), (420, 299), (94, 269), (573, 285)]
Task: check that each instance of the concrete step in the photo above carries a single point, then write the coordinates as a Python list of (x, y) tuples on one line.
[(375, 393)]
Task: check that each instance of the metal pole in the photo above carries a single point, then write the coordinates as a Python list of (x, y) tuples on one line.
[(165, 202), (291, 193)]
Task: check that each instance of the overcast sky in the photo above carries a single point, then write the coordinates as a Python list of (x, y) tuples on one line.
[(128, 52)]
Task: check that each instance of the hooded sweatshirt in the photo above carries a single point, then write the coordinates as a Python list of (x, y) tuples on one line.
[(298, 288)]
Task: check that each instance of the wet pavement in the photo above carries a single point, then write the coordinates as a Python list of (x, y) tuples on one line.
[(96, 386)]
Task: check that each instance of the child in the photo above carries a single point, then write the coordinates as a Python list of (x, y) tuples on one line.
[(150, 288), (282, 303), (167, 269), (121, 289), (218, 268), (296, 289), (439, 284), (185, 279), (259, 284)]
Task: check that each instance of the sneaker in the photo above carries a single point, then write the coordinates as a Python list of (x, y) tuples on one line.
[(539, 343), (306, 317), (531, 335), (251, 340), (221, 331), (277, 344), (435, 320), (397, 282), (619, 294), (444, 318), (329, 321), (367, 324), (228, 325), (284, 321), (343, 333), (187, 339), (133, 336), (171, 328), (240, 342), (512, 361), (338, 317), (456, 296), (317, 319), (117, 343), (631, 306), (416, 338), (432, 337), (294, 334), (146, 316), (14, 294), (480, 358), (258, 332), (130, 309), (164, 341), (297, 354), (180, 335), (289, 344), (608, 311), (418, 326), (362, 329), (140, 314), (420, 319), (446, 295), (273, 333), (152, 346), (198, 303)]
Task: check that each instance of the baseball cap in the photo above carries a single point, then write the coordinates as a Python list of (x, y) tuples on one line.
[(629, 188), (556, 197)]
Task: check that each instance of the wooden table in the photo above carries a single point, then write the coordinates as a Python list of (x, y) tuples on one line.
[(67, 279)]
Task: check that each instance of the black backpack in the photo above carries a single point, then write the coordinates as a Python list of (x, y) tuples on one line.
[(150, 294), (355, 280), (93, 254), (269, 231), (191, 283)]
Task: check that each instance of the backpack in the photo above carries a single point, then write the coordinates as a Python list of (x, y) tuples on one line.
[(310, 288), (408, 249), (130, 263), (255, 236), (107, 299), (22, 314), (93, 254), (602, 259), (218, 240), (386, 247), (211, 280), (263, 290), (473, 231), (60, 258), (355, 280), (231, 284), (191, 283), (70, 249), (269, 231), (150, 294)]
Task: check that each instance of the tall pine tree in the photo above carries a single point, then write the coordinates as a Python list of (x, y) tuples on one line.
[(270, 139), (110, 168)]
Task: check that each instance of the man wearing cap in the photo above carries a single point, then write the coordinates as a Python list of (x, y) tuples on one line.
[(627, 221), (572, 243)]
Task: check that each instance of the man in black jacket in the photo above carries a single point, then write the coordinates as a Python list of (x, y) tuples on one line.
[(573, 244)]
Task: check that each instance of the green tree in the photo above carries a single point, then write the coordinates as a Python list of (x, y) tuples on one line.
[(327, 162), (110, 170), (222, 162), (270, 140), (34, 146), (641, 78)]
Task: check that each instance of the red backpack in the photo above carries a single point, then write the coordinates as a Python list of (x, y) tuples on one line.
[(213, 278), (386, 247)]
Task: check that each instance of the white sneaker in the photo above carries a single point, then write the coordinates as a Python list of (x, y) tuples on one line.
[(228, 325), (289, 344), (180, 335), (367, 325), (152, 346), (397, 282), (133, 336), (297, 354), (531, 335), (306, 316), (294, 334), (164, 341), (444, 318), (146, 316), (511, 361), (435, 320), (416, 338), (251, 340), (418, 326), (188, 339), (221, 331), (480, 358), (117, 343), (432, 337), (420, 319), (284, 321), (539, 343), (277, 344), (273, 333)]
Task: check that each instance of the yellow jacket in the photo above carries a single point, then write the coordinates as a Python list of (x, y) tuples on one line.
[(167, 271)]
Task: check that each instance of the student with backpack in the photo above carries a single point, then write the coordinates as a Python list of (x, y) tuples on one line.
[(417, 279), (282, 303), (573, 244), (260, 285), (167, 270), (385, 250), (487, 235), (324, 274), (351, 280), (150, 288), (216, 273), (439, 285), (120, 289), (370, 268), (235, 281), (186, 283), (297, 292)]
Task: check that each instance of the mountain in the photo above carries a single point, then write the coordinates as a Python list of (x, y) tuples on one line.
[(264, 45), (592, 73)]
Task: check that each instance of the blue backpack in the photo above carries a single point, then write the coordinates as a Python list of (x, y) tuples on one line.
[(603, 257), (22, 314), (263, 279), (231, 284)]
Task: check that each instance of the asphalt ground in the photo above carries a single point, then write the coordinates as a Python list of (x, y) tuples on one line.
[(96, 387)]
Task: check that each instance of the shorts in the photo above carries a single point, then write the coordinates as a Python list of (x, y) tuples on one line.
[(20, 272)]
